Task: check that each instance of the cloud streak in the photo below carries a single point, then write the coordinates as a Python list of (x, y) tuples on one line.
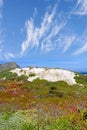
[(83, 49), (1, 4), (9, 56), (65, 41), (68, 41), (48, 36), (81, 8), (44, 36), (82, 42), (35, 34)]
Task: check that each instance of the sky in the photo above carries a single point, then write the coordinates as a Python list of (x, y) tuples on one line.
[(44, 33)]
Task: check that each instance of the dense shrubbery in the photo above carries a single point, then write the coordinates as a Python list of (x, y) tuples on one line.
[(21, 78), (32, 120), (42, 105), (81, 79), (12, 76), (85, 114), (31, 75)]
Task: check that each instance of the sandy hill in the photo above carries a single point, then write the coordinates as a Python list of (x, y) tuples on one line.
[(48, 74)]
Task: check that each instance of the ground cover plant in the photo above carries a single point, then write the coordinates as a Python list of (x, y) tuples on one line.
[(42, 105)]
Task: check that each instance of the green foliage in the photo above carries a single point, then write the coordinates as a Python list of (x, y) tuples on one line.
[(64, 123), (31, 75), (22, 78), (21, 120), (4, 73), (81, 79), (12, 76), (61, 124), (8, 75), (28, 127), (85, 114), (54, 92)]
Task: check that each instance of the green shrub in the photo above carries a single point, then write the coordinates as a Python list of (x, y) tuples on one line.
[(81, 79), (85, 114), (8, 75), (11, 76), (31, 75), (27, 126), (22, 78), (63, 124)]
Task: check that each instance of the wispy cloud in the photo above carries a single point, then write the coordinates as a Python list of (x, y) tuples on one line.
[(6, 56), (81, 8), (82, 44), (45, 35), (9, 56), (47, 47), (1, 4), (35, 13), (48, 36), (34, 34), (83, 49), (65, 41), (68, 41)]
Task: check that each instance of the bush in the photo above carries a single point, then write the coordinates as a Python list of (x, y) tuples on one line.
[(85, 114), (11, 76), (31, 75), (81, 79), (22, 78), (8, 75), (54, 92), (28, 127), (63, 124)]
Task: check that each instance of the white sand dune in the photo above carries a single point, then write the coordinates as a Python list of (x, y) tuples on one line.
[(52, 75)]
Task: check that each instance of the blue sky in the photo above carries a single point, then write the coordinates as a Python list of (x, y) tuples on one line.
[(46, 33)]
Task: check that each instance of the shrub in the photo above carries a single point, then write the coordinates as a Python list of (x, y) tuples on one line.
[(27, 126), (8, 75), (22, 78), (85, 114), (31, 75), (11, 76), (63, 124), (54, 92)]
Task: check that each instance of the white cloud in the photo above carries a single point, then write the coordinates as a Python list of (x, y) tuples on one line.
[(65, 41), (47, 47), (29, 30), (81, 43), (35, 13), (45, 35), (48, 43), (9, 56), (1, 3), (68, 41), (81, 8), (34, 34), (83, 49)]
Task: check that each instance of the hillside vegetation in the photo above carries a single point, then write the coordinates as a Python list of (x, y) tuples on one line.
[(42, 104)]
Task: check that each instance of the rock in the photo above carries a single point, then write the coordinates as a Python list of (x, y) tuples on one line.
[(9, 65)]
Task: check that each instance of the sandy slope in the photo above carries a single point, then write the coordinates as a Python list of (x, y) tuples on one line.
[(47, 74)]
